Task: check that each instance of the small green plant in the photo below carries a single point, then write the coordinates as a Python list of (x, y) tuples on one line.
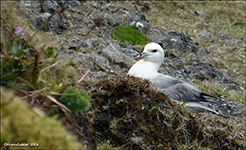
[(18, 61), (12, 67), (129, 33), (78, 101), (105, 146)]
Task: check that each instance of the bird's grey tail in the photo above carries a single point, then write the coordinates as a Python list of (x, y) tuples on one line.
[(212, 99)]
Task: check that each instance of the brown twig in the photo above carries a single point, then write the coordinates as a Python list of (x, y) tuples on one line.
[(83, 77)]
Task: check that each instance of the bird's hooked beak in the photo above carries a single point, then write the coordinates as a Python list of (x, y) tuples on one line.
[(142, 55)]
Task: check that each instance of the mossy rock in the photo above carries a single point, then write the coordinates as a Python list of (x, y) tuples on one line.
[(19, 124), (129, 33)]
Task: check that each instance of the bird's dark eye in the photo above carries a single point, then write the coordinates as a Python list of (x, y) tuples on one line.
[(155, 50)]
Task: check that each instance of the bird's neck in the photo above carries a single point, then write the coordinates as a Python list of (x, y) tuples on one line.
[(144, 69)]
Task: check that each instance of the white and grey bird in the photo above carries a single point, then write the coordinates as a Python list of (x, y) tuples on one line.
[(147, 66)]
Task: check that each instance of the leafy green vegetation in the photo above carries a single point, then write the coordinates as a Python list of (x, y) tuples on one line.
[(32, 67), (129, 33), (19, 63), (105, 146), (78, 101)]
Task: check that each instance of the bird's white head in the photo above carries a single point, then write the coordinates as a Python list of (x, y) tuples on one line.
[(149, 61), (153, 52)]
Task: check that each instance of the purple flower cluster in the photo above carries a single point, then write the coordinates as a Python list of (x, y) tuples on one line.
[(18, 31)]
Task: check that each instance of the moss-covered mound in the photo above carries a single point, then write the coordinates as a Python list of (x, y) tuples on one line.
[(129, 33), (125, 112), (19, 124), (131, 114)]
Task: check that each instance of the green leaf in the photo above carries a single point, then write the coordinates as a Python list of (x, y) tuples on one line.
[(59, 88), (25, 50), (9, 76), (19, 53), (159, 145), (50, 51), (15, 47), (16, 64), (27, 83), (8, 46)]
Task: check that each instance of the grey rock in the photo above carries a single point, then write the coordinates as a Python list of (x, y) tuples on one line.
[(205, 35), (73, 47), (89, 43), (204, 71), (98, 74), (129, 52), (50, 6), (224, 38), (56, 23), (133, 23), (40, 19), (199, 11), (32, 5), (173, 40), (113, 19), (72, 4), (114, 54), (92, 61)]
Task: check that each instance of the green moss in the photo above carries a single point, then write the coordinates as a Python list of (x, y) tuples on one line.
[(129, 33), (78, 101), (105, 146), (19, 124)]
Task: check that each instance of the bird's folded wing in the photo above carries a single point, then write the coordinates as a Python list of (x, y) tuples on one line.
[(176, 89)]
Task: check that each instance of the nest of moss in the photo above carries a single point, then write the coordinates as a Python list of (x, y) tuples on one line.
[(131, 114)]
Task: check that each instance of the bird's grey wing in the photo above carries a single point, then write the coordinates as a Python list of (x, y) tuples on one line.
[(176, 89), (182, 91)]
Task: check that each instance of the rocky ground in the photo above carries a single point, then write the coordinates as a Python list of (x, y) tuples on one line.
[(83, 33), (80, 37)]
